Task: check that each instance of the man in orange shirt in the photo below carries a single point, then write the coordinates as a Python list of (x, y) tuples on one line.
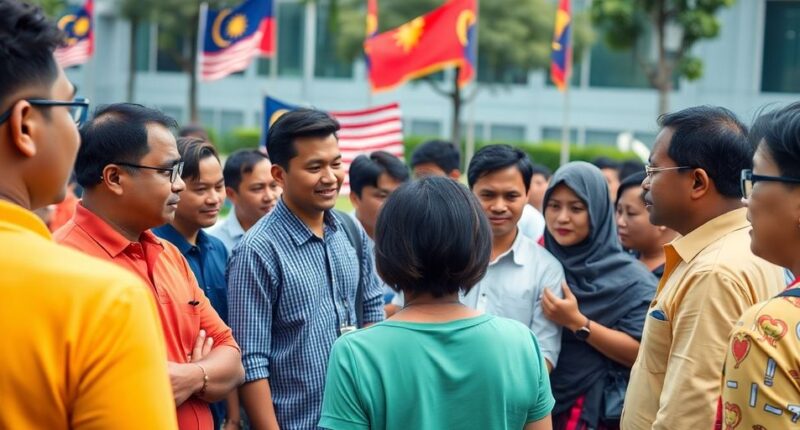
[(82, 347), (130, 169)]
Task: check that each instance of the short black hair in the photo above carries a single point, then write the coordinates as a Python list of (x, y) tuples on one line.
[(239, 163), (492, 158), (294, 124), (781, 138), (117, 133), (630, 167), (541, 169), (27, 42), (365, 170), (713, 139), (432, 237), (634, 180), (193, 150), (606, 163), (443, 154), (196, 130)]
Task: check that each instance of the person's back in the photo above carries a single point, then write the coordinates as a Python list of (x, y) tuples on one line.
[(82, 336), (461, 374)]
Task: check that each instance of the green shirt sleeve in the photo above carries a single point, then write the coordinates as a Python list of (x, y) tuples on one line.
[(545, 401), (342, 408)]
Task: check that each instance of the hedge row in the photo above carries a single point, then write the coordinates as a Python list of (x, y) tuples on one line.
[(546, 152)]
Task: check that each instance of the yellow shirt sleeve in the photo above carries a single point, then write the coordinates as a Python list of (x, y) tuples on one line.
[(123, 382), (701, 322)]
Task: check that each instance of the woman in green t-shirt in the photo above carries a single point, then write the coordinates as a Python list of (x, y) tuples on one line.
[(436, 364)]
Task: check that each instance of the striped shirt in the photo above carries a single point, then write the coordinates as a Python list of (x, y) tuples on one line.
[(289, 294)]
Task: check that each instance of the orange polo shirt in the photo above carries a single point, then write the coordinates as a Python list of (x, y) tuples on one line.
[(164, 269)]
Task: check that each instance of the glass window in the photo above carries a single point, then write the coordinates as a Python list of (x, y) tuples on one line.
[(621, 69), (291, 36), (507, 133), (263, 66), (424, 127), (172, 48), (231, 120), (601, 137), (328, 64), (175, 112), (554, 134), (780, 70), (478, 131), (207, 118), (143, 47), (500, 73)]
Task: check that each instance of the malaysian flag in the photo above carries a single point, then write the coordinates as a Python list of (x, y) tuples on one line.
[(231, 38), (78, 36), (362, 131)]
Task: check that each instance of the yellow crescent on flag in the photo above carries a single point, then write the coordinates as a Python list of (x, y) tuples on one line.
[(465, 20), (216, 35), (63, 23), (275, 116)]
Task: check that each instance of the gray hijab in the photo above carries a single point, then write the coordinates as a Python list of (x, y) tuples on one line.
[(611, 287)]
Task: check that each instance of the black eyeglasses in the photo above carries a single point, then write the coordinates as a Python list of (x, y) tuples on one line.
[(78, 108), (175, 171), (748, 179)]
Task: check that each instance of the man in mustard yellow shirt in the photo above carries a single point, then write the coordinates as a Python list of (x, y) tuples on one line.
[(711, 277), (82, 348)]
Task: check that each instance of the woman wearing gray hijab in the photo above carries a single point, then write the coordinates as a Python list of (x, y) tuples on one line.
[(604, 304)]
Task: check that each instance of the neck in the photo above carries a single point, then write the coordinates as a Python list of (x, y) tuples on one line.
[(315, 220), (370, 230), (16, 198), (501, 244), (652, 258), (104, 211), (244, 223), (714, 210), (188, 232), (428, 299)]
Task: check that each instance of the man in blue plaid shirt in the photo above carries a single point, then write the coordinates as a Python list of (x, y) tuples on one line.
[(293, 280)]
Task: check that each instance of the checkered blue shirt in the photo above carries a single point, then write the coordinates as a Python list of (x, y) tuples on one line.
[(289, 292)]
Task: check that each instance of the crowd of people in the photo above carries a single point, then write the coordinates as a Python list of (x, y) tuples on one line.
[(599, 296)]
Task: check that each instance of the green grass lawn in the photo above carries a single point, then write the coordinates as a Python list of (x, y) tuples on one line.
[(343, 204)]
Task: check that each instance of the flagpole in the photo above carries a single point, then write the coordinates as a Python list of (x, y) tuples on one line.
[(308, 51), (470, 150), (201, 32), (565, 127)]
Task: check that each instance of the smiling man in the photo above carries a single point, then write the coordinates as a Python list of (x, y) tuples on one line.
[(130, 169), (293, 281), (520, 270)]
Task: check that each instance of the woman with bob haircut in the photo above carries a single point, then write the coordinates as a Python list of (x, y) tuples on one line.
[(436, 364)]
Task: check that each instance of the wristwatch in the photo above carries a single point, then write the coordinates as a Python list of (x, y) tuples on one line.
[(584, 332)]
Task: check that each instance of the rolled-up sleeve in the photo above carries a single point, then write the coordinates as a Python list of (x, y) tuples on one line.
[(250, 309)]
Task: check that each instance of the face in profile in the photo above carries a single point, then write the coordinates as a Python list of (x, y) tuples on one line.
[(773, 209), (537, 189), (666, 196), (202, 200), (567, 216), (369, 204), (257, 194), (315, 174), (502, 197), (150, 193)]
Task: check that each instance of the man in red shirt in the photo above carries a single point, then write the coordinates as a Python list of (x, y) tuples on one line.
[(130, 169)]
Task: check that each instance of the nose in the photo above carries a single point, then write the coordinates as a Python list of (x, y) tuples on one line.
[(563, 216), (328, 176), (215, 197), (621, 220), (498, 205), (178, 185)]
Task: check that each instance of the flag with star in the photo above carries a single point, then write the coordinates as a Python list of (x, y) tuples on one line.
[(561, 58), (232, 37), (78, 36), (443, 38)]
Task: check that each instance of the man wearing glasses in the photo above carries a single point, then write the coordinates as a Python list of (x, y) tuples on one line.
[(711, 276), (77, 331), (130, 169)]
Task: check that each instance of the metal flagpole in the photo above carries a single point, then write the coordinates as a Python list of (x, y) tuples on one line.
[(565, 128), (470, 149)]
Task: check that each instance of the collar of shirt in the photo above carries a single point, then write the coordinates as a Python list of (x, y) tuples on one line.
[(298, 230), (687, 247), (233, 226), (168, 232), (15, 217), (518, 252), (112, 241)]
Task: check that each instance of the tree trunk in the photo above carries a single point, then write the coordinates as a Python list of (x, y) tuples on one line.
[(131, 88), (663, 68), (457, 102), (192, 67)]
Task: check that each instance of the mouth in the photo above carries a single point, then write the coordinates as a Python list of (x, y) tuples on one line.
[(499, 220), (173, 203), (326, 193), (210, 212), (267, 208), (563, 231)]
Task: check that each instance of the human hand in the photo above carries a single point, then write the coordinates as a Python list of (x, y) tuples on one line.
[(202, 346), (186, 379), (563, 312)]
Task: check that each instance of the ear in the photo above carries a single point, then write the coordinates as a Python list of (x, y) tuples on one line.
[(279, 175), (231, 193), (701, 184), (112, 178), (455, 174), (23, 127), (354, 200)]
